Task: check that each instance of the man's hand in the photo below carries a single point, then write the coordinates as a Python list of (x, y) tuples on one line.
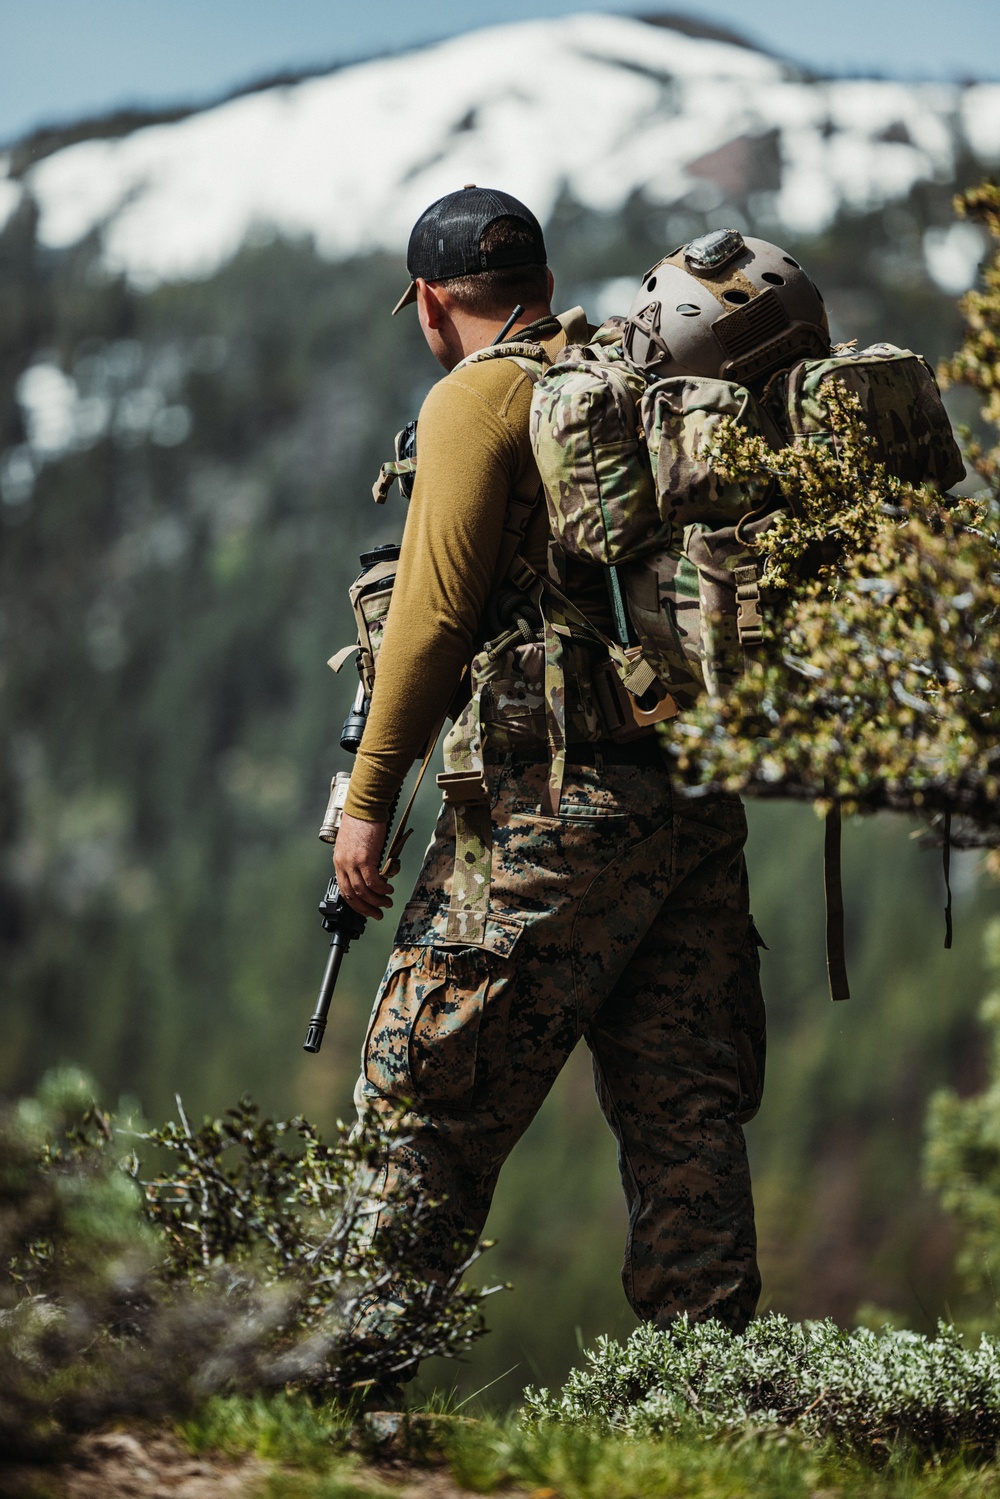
[(356, 856)]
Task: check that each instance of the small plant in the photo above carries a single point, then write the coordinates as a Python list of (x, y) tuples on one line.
[(248, 1268), (977, 362), (865, 1391), (275, 1219)]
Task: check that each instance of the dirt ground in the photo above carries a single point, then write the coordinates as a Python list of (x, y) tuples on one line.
[(123, 1465)]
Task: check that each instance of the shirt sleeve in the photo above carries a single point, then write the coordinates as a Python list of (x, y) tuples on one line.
[(467, 464)]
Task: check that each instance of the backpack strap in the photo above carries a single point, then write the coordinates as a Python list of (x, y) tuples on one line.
[(387, 474), (531, 359), (527, 355), (836, 961), (562, 620)]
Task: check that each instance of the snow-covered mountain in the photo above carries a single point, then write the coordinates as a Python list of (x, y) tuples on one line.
[(597, 106)]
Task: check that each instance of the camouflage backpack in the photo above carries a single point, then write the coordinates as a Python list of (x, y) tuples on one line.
[(628, 484)]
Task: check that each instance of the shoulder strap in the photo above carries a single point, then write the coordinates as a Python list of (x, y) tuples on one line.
[(532, 359), (529, 357)]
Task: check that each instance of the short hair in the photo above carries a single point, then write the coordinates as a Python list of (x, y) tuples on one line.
[(496, 293)]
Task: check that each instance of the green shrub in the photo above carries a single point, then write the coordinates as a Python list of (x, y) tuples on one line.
[(866, 1391), (248, 1267), (296, 1222)]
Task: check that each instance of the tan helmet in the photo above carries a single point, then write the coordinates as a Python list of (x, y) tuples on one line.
[(725, 307)]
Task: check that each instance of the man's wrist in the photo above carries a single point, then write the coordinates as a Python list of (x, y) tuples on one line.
[(364, 809)]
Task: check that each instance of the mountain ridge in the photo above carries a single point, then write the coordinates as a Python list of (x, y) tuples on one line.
[(31, 147), (593, 106)]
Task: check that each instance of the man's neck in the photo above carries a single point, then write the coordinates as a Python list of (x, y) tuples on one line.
[(475, 333)]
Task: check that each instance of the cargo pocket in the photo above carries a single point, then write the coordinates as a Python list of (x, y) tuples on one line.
[(439, 1025), (750, 1030)]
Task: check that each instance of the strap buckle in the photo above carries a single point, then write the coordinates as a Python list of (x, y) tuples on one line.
[(749, 620), (460, 787)]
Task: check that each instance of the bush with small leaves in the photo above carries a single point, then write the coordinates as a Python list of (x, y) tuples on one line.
[(238, 1198), (864, 1390), (249, 1267)]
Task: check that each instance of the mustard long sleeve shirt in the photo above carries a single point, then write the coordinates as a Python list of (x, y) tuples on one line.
[(473, 452)]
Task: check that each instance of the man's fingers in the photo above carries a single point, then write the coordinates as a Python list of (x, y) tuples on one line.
[(375, 883), (362, 906), (364, 890), (356, 862)]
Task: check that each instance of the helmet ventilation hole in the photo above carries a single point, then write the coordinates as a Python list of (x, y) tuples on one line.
[(651, 284), (789, 261), (773, 277), (688, 309), (736, 297)]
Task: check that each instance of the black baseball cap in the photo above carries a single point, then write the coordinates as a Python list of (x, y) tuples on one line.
[(445, 239)]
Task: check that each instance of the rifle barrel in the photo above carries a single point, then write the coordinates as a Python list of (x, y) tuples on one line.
[(317, 1023)]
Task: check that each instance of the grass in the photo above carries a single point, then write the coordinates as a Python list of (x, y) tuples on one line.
[(552, 1460), (277, 1428), (580, 1463)]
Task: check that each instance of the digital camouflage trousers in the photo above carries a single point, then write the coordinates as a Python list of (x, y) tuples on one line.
[(624, 920)]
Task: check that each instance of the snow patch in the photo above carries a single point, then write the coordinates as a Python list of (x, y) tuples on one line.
[(600, 106), (981, 120)]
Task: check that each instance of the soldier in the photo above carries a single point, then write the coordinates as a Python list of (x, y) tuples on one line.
[(619, 914)]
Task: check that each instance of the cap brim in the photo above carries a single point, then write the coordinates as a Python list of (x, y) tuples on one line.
[(409, 295)]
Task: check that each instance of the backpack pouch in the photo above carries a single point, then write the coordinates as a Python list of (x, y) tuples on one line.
[(664, 607), (900, 403), (371, 595), (681, 416), (513, 698), (725, 562), (693, 606), (590, 449)]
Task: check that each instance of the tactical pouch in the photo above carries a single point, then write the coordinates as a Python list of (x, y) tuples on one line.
[(370, 595), (900, 404), (590, 448), (681, 416), (696, 607)]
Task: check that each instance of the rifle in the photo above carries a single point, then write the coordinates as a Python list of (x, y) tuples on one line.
[(343, 924)]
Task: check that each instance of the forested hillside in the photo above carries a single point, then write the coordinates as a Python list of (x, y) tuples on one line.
[(185, 478)]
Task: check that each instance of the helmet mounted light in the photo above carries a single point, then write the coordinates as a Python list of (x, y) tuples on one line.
[(712, 251)]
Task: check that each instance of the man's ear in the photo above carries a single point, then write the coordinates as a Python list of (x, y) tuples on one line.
[(429, 308), (551, 280)]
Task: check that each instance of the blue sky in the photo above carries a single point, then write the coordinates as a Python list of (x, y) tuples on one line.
[(60, 59)]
